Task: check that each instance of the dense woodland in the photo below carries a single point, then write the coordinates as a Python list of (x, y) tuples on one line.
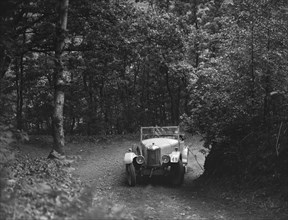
[(218, 68)]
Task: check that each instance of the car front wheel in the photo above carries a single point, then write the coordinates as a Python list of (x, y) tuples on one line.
[(131, 174), (177, 174)]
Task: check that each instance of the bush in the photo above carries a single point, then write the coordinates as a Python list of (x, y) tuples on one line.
[(41, 189), (6, 153)]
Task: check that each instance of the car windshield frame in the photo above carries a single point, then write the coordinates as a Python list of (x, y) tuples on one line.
[(172, 132)]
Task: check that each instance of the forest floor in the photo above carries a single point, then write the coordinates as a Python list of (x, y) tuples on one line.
[(102, 169)]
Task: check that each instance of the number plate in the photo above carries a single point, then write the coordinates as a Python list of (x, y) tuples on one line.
[(174, 159)]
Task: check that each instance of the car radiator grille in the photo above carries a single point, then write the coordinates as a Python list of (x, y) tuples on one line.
[(153, 157)]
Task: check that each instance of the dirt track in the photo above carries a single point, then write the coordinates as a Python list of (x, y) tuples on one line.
[(102, 166)]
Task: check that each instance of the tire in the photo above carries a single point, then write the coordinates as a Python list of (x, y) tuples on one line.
[(177, 174), (131, 174)]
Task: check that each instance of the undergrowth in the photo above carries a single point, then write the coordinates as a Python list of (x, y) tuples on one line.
[(41, 189)]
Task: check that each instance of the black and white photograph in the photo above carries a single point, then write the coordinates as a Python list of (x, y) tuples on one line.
[(143, 109)]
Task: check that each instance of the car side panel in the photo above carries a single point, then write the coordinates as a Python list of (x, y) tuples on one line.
[(185, 153)]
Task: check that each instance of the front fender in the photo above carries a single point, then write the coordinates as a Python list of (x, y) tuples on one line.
[(129, 156), (175, 157)]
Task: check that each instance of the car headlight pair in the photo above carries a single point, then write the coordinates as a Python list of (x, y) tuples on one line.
[(140, 159)]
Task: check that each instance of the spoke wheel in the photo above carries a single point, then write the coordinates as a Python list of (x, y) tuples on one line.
[(131, 174)]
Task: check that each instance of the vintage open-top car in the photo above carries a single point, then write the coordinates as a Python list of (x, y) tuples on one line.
[(161, 152)]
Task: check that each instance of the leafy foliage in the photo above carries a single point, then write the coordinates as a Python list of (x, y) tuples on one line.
[(239, 97), (120, 60), (6, 153), (41, 189), (8, 136)]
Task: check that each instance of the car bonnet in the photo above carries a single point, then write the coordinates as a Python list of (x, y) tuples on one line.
[(160, 142)]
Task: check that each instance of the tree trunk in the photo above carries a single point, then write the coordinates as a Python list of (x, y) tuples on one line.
[(19, 89), (59, 81), (173, 105), (5, 61), (252, 69), (268, 89)]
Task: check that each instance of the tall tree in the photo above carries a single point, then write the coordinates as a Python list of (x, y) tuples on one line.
[(59, 79)]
